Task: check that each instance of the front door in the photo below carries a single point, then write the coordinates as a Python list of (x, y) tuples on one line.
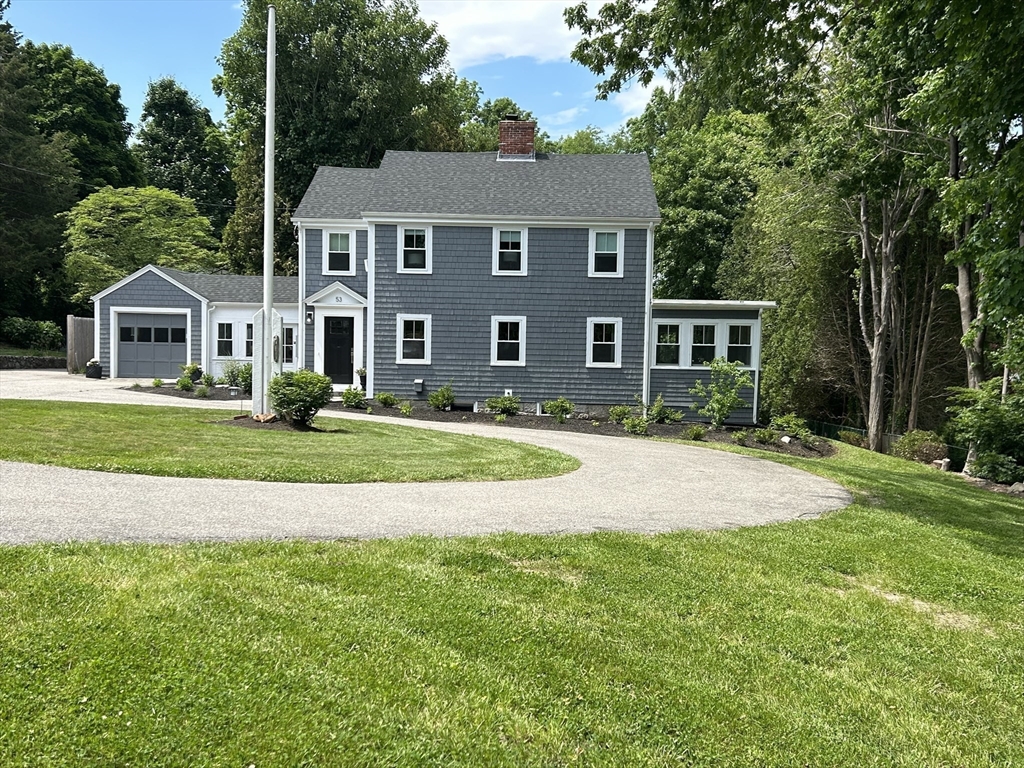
[(339, 336)]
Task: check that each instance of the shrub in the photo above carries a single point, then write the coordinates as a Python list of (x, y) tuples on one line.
[(158, 382), (766, 436), (386, 399), (919, 445), (852, 438), (998, 468), (619, 413), (31, 334), (193, 370), (202, 391), (500, 418), (238, 375), (442, 398), (794, 426), (405, 408), (207, 380), (506, 405), (983, 417), (740, 436), (184, 383), (635, 425), (696, 432), (353, 397), (298, 395), (658, 412), (559, 408), (722, 396)]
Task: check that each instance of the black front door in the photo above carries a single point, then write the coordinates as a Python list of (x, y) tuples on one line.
[(338, 339)]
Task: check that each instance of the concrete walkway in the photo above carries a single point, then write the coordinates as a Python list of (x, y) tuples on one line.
[(624, 484)]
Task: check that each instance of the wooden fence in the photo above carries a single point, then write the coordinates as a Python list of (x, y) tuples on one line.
[(81, 342)]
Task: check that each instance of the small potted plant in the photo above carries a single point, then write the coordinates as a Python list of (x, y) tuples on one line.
[(193, 371), (361, 373), (93, 369)]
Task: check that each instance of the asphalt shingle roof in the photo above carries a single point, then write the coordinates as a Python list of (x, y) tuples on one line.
[(477, 184), (336, 193), (243, 289)]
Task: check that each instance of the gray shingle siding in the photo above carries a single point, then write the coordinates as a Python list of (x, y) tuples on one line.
[(556, 297), (316, 281), (149, 290), (675, 386)]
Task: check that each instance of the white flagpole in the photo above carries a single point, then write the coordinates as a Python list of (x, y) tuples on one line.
[(268, 210)]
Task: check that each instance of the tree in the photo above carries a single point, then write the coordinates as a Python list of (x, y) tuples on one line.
[(180, 148), (591, 141), (480, 130), (76, 100), (354, 79), (114, 232), (39, 181)]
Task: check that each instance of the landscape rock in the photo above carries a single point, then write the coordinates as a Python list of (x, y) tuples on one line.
[(1017, 488)]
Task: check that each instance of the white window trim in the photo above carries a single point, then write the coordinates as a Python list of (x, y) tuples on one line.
[(496, 243), (521, 319), (681, 325), (325, 247), (591, 322), (719, 347), (749, 324), (401, 250), (294, 345), (620, 238), (399, 321), (114, 311), (218, 340)]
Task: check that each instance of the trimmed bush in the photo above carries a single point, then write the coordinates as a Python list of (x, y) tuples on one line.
[(619, 413), (658, 412), (31, 334), (299, 395), (852, 438), (722, 396), (635, 425), (206, 380), (353, 397), (442, 398), (998, 468), (560, 408), (386, 399), (184, 384), (696, 432), (794, 426), (506, 405), (766, 436), (920, 445)]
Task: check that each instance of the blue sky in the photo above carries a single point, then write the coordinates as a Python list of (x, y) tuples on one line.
[(515, 48)]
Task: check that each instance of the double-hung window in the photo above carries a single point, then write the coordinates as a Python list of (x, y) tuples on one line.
[(605, 253), (509, 252), (739, 350), (604, 342), (413, 343), (667, 344), (288, 345), (508, 340), (702, 350), (225, 345), (340, 257), (414, 250), (248, 339)]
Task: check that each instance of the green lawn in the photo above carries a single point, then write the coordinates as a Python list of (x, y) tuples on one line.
[(891, 633), (185, 442), (6, 349)]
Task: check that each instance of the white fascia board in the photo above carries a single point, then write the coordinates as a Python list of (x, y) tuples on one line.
[(258, 305), (144, 270), (488, 221), (336, 286), (344, 223), (710, 304)]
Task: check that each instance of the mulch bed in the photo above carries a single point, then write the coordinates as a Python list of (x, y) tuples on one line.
[(213, 393), (278, 425)]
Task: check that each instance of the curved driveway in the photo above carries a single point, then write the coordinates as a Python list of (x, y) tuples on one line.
[(624, 484)]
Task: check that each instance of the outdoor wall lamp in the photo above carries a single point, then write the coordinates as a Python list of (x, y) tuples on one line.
[(309, 318)]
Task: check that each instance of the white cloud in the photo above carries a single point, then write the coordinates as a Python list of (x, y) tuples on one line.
[(557, 93), (631, 102), (564, 117), (478, 32)]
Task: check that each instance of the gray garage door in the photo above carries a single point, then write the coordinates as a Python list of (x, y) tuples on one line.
[(151, 345)]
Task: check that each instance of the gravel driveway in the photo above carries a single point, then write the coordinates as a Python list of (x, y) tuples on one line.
[(624, 484)]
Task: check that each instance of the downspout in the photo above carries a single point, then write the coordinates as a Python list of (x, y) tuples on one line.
[(757, 370), (648, 299), (371, 279), (206, 316)]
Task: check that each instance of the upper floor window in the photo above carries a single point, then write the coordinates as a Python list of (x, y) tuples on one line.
[(225, 346), (605, 253), (703, 348), (667, 346), (413, 339), (509, 252), (604, 342), (508, 340), (340, 259), (739, 345), (414, 252)]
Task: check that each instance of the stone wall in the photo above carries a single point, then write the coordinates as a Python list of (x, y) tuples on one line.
[(8, 362)]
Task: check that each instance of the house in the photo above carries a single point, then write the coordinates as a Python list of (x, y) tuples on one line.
[(499, 272)]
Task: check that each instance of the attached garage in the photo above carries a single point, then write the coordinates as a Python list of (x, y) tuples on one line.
[(151, 345)]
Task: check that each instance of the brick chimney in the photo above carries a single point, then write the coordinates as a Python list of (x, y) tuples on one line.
[(515, 138)]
